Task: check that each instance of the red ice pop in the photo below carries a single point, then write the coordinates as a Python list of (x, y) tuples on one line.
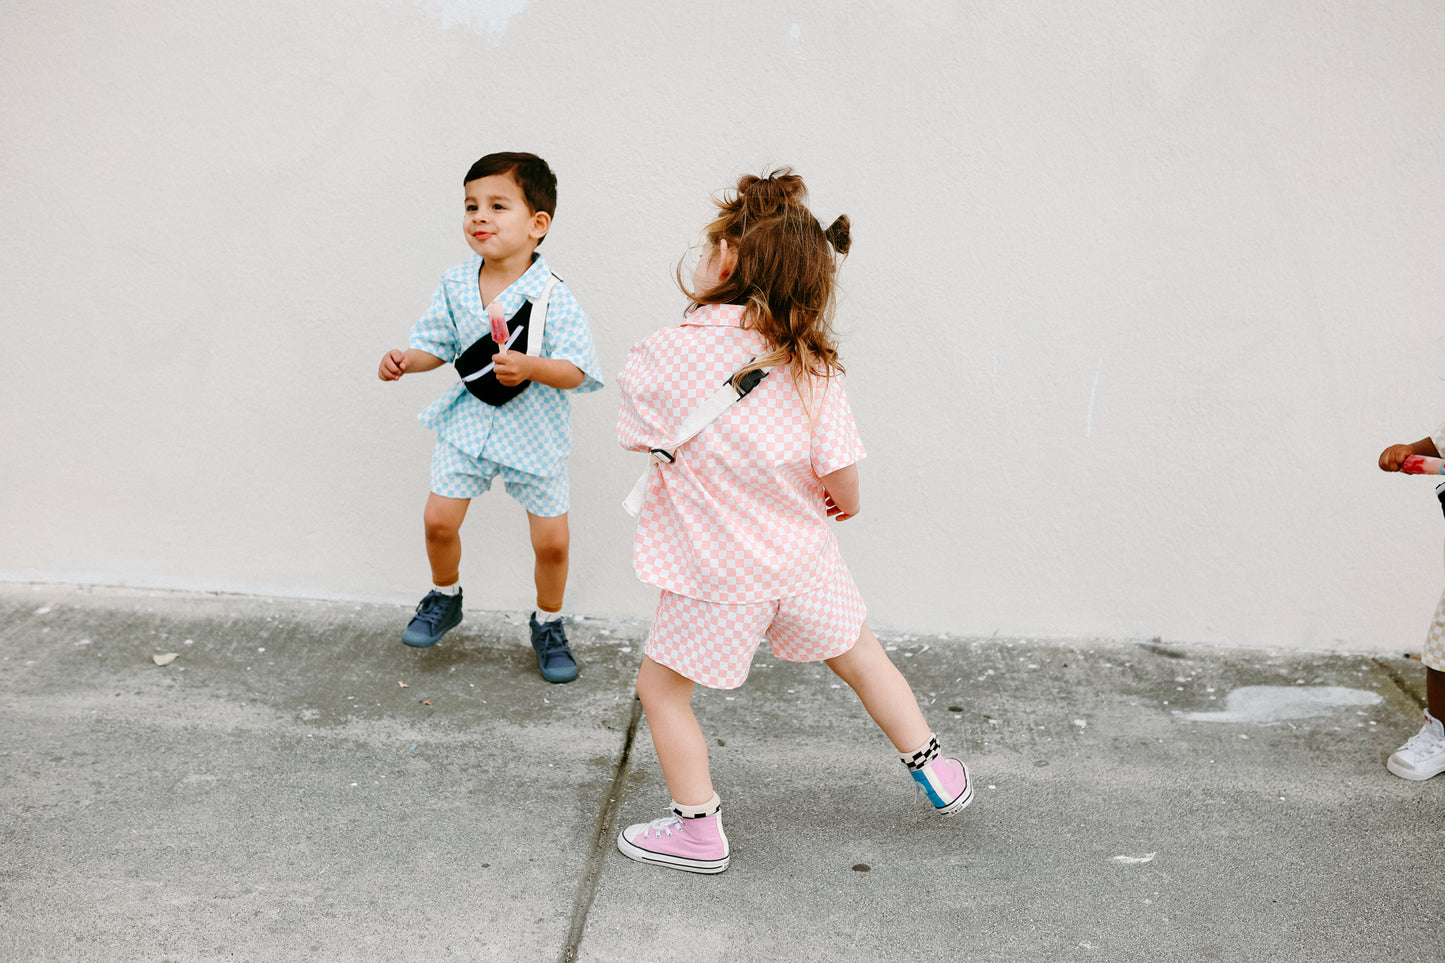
[(499, 324), (1423, 465)]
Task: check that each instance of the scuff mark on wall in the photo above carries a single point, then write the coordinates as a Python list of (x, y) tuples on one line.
[(489, 17)]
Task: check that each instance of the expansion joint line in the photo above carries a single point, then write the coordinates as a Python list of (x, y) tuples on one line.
[(1400, 683), (602, 839)]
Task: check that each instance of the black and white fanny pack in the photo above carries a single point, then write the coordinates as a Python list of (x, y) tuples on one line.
[(524, 333)]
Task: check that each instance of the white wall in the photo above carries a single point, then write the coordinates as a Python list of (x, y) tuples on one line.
[(1139, 289)]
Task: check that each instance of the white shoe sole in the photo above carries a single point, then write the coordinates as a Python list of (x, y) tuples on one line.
[(632, 851)]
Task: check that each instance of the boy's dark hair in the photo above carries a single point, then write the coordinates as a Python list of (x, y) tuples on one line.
[(533, 176)]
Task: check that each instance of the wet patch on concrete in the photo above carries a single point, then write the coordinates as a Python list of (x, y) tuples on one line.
[(1276, 703)]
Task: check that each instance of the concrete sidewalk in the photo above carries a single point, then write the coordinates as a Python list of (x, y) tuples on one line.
[(298, 785)]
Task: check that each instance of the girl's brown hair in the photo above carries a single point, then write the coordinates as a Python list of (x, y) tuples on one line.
[(784, 274)]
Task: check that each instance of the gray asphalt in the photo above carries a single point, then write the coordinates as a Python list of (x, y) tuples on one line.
[(298, 785)]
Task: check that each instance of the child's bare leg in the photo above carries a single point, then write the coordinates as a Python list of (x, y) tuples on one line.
[(883, 690), (443, 519), (691, 837), (681, 747), (891, 703), (551, 541)]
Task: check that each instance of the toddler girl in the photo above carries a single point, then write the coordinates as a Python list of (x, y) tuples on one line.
[(734, 529)]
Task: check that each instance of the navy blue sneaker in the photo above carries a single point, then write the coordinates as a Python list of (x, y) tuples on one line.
[(436, 615), (554, 658)]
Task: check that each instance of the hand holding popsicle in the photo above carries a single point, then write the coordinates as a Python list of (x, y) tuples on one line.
[(1423, 465), (1393, 457), (499, 324)]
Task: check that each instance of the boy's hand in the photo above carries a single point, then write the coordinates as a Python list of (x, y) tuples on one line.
[(512, 367), (393, 365), (1393, 457)]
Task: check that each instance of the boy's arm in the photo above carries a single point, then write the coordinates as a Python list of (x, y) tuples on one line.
[(1393, 457), (515, 367), (396, 363), (569, 341), (844, 500)]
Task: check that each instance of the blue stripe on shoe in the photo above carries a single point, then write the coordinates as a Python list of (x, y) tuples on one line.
[(930, 787)]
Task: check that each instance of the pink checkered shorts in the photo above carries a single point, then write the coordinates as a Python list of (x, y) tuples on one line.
[(712, 643)]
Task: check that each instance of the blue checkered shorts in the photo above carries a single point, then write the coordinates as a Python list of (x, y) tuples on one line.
[(455, 474)]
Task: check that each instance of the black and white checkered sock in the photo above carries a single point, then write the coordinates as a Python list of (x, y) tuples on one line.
[(921, 756), (697, 812)]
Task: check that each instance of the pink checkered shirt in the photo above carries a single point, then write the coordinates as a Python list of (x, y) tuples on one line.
[(740, 516)]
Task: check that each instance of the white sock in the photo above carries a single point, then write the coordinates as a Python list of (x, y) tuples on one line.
[(454, 589), (697, 812), (544, 617)]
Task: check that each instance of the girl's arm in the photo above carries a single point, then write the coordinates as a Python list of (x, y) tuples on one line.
[(514, 367), (1393, 457), (844, 499), (396, 363)]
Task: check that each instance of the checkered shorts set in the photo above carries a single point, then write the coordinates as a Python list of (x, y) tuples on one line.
[(456, 474), (735, 532), (527, 440), (1434, 654)]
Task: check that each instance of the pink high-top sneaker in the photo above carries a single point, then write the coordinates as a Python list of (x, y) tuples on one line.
[(946, 784), (696, 845)]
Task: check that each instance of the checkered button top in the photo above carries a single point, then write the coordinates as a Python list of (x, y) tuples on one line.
[(740, 516), (533, 431)]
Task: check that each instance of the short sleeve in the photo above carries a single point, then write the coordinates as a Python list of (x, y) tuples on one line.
[(436, 331), (835, 440), (1439, 439), (569, 338), (639, 425)]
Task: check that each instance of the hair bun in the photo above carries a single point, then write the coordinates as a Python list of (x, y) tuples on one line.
[(839, 234), (766, 196)]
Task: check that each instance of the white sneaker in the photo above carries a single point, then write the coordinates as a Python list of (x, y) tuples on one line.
[(1424, 755)]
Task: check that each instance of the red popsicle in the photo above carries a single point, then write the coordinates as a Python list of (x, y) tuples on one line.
[(1423, 465), (499, 324)]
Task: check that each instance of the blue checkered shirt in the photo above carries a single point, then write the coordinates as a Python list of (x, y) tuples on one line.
[(533, 431)]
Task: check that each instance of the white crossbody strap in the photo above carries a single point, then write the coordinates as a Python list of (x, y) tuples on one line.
[(539, 319), (702, 416)]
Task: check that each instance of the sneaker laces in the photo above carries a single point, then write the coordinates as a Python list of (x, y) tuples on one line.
[(918, 791), (660, 826), (431, 608), (1424, 741), (553, 641)]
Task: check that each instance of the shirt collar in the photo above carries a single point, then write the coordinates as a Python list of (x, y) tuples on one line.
[(529, 286), (717, 315), (533, 280)]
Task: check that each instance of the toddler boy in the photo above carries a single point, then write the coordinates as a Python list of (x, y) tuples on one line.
[(510, 199)]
